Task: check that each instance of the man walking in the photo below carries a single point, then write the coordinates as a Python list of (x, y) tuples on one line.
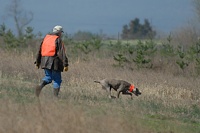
[(52, 58)]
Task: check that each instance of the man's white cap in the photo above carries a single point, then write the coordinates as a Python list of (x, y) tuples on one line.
[(57, 29)]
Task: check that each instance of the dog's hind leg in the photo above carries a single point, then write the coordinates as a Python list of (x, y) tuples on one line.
[(108, 89), (118, 93)]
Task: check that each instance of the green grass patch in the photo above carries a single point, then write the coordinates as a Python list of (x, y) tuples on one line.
[(159, 123)]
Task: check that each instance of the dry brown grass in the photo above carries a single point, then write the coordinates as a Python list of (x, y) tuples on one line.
[(50, 117), (85, 107)]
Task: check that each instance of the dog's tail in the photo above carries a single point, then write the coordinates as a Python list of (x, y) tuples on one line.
[(96, 81)]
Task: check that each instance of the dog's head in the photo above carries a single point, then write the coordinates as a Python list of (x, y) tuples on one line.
[(137, 92)]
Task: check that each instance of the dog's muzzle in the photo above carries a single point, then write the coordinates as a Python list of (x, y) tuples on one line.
[(137, 92)]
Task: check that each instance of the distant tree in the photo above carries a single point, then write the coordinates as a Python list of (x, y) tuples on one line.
[(125, 31), (20, 16), (2, 29), (9, 39), (135, 30), (29, 33), (147, 29)]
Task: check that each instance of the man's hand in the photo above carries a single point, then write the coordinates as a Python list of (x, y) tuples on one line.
[(65, 69), (37, 65)]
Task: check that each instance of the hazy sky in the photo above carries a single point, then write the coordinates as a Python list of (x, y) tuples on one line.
[(107, 16)]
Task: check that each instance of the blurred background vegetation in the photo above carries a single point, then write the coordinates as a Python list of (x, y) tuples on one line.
[(137, 46)]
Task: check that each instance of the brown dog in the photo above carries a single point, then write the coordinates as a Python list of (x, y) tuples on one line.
[(120, 86)]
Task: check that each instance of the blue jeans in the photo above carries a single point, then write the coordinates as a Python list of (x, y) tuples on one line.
[(53, 75)]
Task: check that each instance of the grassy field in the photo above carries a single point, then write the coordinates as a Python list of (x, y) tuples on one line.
[(169, 102)]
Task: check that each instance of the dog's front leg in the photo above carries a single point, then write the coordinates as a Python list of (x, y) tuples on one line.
[(128, 93)]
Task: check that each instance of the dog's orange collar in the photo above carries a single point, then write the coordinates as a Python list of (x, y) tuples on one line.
[(131, 88)]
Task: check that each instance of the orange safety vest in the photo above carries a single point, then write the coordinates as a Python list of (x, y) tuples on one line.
[(131, 88), (49, 45)]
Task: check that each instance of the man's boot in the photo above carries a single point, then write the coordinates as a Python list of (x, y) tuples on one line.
[(56, 91), (39, 88)]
